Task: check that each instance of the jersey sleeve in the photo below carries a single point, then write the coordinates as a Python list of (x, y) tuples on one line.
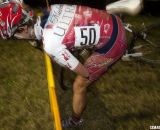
[(58, 52)]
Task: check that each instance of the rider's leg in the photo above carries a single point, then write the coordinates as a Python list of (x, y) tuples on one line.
[(79, 95), (79, 102), (97, 64)]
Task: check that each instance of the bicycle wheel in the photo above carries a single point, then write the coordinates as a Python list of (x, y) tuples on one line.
[(149, 45)]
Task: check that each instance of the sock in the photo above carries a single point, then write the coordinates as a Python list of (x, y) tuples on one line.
[(75, 118)]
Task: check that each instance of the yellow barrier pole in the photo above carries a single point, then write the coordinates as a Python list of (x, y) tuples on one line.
[(52, 93)]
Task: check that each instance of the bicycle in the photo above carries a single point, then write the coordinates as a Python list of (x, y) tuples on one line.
[(144, 43), (147, 49)]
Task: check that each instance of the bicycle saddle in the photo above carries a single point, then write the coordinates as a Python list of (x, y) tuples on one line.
[(131, 7)]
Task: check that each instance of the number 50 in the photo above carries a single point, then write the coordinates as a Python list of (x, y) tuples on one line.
[(89, 36)]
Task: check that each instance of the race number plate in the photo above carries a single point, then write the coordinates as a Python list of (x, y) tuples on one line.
[(87, 35)]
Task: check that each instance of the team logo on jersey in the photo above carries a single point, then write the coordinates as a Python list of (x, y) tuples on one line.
[(106, 28), (55, 13), (2, 23), (65, 56), (87, 13), (64, 21)]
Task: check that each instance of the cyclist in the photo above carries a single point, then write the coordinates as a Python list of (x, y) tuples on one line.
[(72, 27)]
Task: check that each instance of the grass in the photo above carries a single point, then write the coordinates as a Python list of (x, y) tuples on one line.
[(24, 96), (126, 98)]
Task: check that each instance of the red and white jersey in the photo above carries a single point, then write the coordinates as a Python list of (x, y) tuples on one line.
[(71, 26)]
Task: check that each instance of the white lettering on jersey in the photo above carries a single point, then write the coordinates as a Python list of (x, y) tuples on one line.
[(87, 35)]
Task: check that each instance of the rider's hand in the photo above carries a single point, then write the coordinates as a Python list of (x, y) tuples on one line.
[(81, 70)]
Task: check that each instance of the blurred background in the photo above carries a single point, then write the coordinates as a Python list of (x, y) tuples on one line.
[(149, 5)]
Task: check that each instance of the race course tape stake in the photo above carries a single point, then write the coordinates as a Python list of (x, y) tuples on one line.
[(52, 93)]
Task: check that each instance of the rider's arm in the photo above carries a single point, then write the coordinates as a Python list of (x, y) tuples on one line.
[(63, 57)]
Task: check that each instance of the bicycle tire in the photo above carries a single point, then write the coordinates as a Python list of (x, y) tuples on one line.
[(144, 44), (150, 45)]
